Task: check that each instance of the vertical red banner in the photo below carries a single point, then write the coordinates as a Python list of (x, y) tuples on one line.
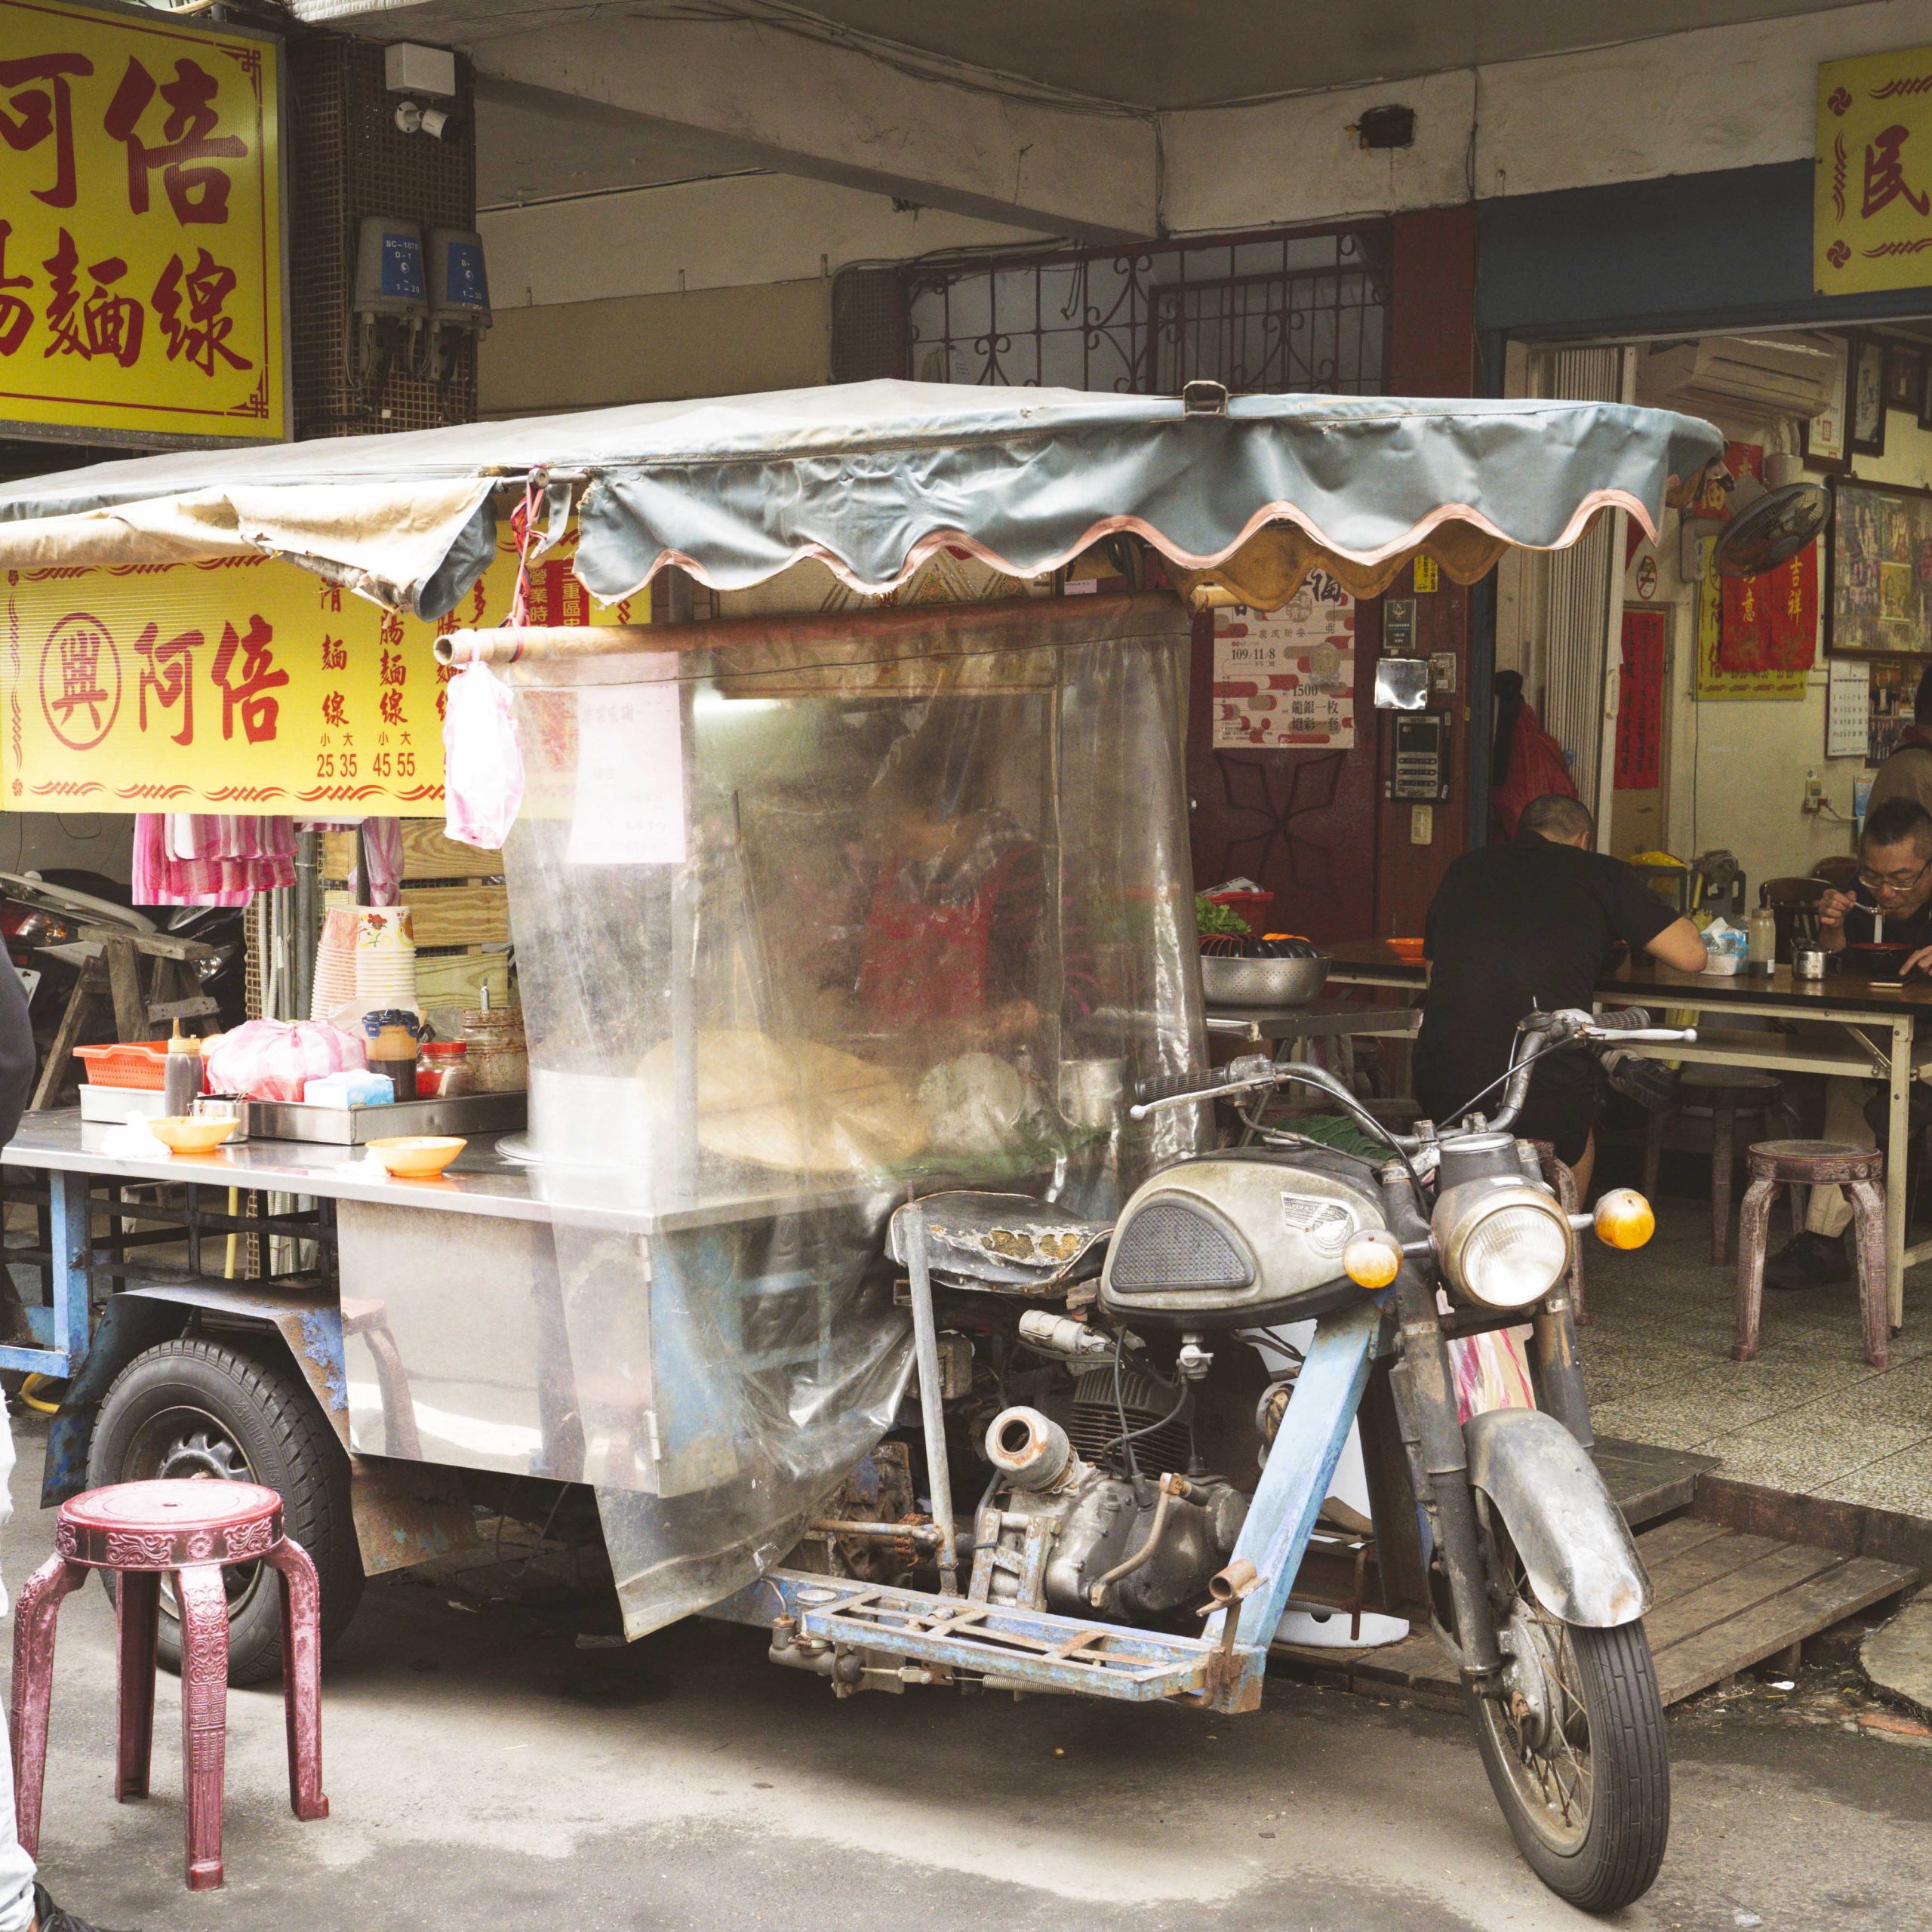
[(1640, 701)]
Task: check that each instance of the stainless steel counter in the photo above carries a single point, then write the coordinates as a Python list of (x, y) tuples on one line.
[(482, 1181)]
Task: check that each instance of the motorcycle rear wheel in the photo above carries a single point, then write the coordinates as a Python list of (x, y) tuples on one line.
[(1586, 1790)]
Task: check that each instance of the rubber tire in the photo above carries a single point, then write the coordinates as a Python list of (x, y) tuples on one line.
[(1629, 1824), (277, 1424)]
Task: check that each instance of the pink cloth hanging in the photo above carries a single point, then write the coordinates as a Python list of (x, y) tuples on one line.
[(193, 859)]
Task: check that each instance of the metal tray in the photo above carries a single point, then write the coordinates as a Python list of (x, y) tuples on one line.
[(351, 1127)]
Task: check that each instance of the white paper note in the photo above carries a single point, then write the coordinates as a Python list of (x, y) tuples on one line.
[(630, 807)]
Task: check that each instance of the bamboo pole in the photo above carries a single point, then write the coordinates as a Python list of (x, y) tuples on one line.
[(535, 643)]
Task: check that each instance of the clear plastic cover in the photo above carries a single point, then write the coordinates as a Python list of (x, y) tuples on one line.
[(801, 925)]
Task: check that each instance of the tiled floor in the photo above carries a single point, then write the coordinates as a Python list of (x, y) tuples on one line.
[(1808, 1414)]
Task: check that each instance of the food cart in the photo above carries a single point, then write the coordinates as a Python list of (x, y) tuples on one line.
[(812, 912)]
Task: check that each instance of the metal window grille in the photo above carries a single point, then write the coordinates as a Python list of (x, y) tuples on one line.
[(1306, 311)]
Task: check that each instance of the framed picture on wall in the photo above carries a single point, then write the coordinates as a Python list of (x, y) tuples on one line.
[(1878, 570), (1868, 396), (1825, 441), (1905, 375)]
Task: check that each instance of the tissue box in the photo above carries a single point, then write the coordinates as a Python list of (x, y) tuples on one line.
[(354, 1087)]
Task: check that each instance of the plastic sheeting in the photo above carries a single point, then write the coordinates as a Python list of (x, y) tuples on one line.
[(800, 927), (870, 478)]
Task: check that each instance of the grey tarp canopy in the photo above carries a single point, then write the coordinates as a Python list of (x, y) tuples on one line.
[(869, 479)]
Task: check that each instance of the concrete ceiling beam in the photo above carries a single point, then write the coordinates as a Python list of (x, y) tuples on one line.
[(769, 99)]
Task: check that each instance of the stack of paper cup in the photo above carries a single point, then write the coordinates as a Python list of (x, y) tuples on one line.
[(335, 962), (385, 957), (366, 960)]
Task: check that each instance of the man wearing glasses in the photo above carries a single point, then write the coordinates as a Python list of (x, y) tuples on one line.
[(1894, 883)]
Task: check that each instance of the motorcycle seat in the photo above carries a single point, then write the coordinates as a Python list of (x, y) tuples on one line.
[(1007, 1243)]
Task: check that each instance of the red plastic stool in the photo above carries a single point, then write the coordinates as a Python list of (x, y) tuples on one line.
[(143, 1530)]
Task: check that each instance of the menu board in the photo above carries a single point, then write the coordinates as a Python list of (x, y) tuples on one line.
[(1878, 558), (1285, 679)]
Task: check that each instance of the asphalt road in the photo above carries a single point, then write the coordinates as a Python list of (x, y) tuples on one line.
[(487, 1774)]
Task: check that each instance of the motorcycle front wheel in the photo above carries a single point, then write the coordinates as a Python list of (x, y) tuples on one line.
[(1576, 1754)]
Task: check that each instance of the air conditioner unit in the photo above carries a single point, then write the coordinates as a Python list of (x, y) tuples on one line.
[(1759, 377)]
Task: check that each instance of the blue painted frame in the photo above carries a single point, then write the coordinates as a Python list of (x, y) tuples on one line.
[(62, 1330)]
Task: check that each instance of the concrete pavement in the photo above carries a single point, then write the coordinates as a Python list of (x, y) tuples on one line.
[(485, 1773)]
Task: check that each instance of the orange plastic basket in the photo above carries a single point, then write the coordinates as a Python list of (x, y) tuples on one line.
[(134, 1063)]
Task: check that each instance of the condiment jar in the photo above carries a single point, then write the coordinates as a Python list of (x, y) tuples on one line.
[(1761, 940), (181, 1075), (499, 1057), (442, 1070)]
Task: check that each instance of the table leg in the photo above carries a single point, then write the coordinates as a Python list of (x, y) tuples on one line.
[(1898, 1147)]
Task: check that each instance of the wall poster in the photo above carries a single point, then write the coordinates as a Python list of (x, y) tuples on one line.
[(1285, 679), (1878, 569)]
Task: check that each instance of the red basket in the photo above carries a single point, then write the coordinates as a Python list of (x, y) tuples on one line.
[(136, 1063)]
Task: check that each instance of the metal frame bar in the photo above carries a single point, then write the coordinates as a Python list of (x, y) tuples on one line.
[(1295, 1479)]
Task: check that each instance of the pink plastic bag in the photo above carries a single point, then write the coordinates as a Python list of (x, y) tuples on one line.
[(274, 1060), (482, 766)]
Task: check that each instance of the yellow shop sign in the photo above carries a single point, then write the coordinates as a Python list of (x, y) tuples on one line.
[(140, 226), (240, 685)]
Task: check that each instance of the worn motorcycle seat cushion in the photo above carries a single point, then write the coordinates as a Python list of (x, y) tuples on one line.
[(1007, 1242)]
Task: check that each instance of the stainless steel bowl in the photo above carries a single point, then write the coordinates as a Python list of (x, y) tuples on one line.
[(1262, 981)]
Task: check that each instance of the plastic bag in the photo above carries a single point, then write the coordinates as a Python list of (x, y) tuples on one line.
[(274, 1060), (482, 765)]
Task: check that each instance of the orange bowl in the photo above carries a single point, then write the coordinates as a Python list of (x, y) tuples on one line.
[(188, 1133), (1408, 950), (417, 1156)]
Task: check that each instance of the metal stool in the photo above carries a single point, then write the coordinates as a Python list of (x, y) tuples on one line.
[(1561, 1176), (1776, 1164), (1720, 1094), (142, 1531)]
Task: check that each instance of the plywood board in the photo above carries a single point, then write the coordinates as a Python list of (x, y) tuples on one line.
[(473, 915), (428, 853)]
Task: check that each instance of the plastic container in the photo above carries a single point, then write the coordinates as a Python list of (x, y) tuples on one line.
[(499, 1057), (1762, 934), (181, 1073), (142, 1063)]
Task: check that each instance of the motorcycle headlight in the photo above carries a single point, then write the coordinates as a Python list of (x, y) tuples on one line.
[(1499, 1243)]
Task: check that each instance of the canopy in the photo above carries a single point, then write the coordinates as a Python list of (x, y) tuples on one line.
[(870, 478)]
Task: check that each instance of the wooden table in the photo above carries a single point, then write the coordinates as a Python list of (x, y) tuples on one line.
[(1877, 1031)]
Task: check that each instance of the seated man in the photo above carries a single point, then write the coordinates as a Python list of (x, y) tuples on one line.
[(1532, 924), (1894, 879)]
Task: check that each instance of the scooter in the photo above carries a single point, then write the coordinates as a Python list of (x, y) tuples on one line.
[(1118, 1549)]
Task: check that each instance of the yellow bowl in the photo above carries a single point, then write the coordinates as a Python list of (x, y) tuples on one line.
[(187, 1133), (417, 1156)]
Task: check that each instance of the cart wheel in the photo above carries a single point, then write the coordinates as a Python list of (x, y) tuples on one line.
[(1575, 1750), (215, 1410)]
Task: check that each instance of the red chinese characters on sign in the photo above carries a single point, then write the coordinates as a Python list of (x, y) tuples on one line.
[(1884, 174), (190, 303), (168, 673), (196, 193), (1640, 701), (80, 681), (37, 105), (246, 688)]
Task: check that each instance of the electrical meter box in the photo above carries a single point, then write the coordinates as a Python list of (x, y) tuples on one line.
[(459, 280), (389, 269)]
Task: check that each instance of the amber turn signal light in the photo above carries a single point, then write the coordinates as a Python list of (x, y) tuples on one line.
[(1624, 1219), (1372, 1258)]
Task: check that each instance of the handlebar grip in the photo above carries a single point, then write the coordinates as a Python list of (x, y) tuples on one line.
[(1172, 1086)]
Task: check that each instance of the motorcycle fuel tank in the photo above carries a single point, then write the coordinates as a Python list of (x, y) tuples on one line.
[(1232, 1238)]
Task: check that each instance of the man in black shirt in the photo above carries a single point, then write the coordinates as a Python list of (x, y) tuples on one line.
[(1532, 924), (1894, 880)]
